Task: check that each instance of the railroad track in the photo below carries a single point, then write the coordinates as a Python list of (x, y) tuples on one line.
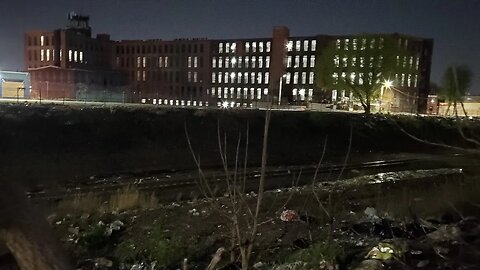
[(215, 177)]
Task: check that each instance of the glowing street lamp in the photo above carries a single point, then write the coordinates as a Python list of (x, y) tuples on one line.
[(388, 84)]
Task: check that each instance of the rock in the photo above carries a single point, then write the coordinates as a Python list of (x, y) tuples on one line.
[(370, 265), (371, 214), (103, 262), (422, 264), (445, 233), (259, 265)]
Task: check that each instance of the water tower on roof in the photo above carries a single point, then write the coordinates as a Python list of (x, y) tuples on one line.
[(79, 24)]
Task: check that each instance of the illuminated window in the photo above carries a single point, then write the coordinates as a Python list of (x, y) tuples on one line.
[(259, 77), (338, 44), (380, 45), (214, 62), (417, 63), (225, 77), (345, 61), (139, 75), (304, 77), (266, 78), (335, 77), (144, 61), (227, 62), (195, 76), (61, 55), (362, 61), (352, 77), (297, 61), (354, 61), (372, 43), (310, 93), (220, 62), (254, 47), (354, 44), (234, 61), (227, 47), (360, 78), (312, 61), (295, 92), (220, 48), (314, 45), (260, 46), (252, 77), (53, 54), (219, 92), (259, 93), (189, 62), (139, 61), (81, 57), (265, 91), (247, 47), (214, 77), (233, 47), (305, 61), (305, 45), (267, 62), (225, 92), (364, 44), (409, 80), (287, 78), (240, 59), (295, 78), (232, 77), (42, 55), (144, 75), (260, 61), (166, 61), (298, 45), (411, 61), (254, 60), (75, 56), (245, 77), (302, 94), (415, 81), (189, 76), (48, 54), (404, 61), (370, 64), (346, 44), (269, 44), (247, 61), (402, 83), (310, 77), (336, 61), (289, 61), (220, 77)]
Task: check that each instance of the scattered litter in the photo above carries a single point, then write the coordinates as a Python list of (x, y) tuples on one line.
[(289, 215)]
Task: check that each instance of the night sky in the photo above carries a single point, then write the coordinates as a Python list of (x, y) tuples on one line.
[(453, 24)]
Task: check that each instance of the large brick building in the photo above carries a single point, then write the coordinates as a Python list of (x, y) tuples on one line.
[(203, 72)]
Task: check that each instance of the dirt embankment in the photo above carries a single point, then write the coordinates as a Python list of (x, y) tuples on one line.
[(45, 143)]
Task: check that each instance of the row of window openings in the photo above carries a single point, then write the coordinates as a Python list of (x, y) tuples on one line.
[(362, 61), (298, 45), (239, 94), (403, 79), (163, 61), (362, 46), (354, 45), (146, 49), (299, 78), (245, 93), (73, 56), (305, 62), (232, 77), (191, 76), (249, 47), (240, 62), (177, 102)]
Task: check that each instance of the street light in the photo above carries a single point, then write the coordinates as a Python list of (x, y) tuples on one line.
[(280, 89)]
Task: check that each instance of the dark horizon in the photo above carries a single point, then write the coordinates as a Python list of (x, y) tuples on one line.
[(450, 24)]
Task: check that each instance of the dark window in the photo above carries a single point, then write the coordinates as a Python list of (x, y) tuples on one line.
[(195, 48), (201, 48)]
